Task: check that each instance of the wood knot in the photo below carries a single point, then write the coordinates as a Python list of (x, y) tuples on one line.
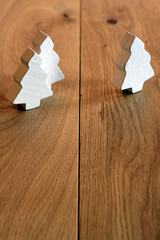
[(112, 21), (102, 111), (65, 15)]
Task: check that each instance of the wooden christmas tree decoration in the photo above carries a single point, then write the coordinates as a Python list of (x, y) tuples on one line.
[(37, 72), (132, 65)]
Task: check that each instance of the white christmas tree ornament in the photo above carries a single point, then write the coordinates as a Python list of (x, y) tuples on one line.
[(37, 72), (132, 65)]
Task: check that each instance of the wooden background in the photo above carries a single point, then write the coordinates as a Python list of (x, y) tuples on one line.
[(86, 164)]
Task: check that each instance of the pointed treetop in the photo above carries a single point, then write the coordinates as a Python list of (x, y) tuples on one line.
[(127, 40), (39, 39)]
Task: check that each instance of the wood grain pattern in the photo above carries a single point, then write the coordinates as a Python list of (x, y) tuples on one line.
[(119, 133), (119, 168), (38, 182)]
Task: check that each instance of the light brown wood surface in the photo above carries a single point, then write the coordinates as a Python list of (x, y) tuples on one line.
[(119, 133), (39, 149), (86, 164)]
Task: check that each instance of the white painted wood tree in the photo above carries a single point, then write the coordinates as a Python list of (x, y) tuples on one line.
[(132, 65), (37, 72)]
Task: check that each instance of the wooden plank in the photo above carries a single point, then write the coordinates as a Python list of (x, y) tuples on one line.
[(119, 132), (39, 148)]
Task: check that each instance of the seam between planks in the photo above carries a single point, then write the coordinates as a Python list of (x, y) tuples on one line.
[(79, 140)]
